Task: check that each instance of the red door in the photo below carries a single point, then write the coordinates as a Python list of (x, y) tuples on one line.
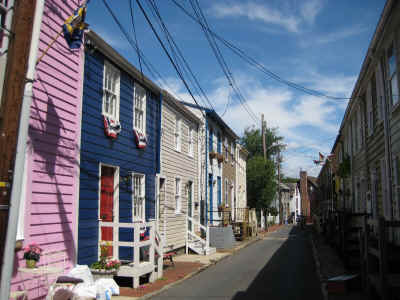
[(107, 205)]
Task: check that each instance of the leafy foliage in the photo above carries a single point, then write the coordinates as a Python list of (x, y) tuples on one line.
[(344, 167), (261, 175)]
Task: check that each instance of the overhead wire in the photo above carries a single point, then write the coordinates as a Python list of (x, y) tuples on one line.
[(131, 5), (149, 66), (178, 55), (220, 59), (242, 54), (167, 53)]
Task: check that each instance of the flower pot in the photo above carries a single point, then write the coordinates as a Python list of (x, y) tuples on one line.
[(30, 263), (102, 273)]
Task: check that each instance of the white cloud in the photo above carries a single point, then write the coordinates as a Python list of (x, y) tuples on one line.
[(334, 36), (290, 19), (310, 10), (254, 11), (283, 108)]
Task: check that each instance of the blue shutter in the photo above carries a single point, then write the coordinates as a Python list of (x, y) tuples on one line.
[(210, 141), (219, 144)]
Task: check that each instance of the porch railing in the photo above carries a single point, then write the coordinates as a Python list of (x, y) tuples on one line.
[(204, 237)]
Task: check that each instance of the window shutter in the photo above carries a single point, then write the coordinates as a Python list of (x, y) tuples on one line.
[(380, 92), (369, 110)]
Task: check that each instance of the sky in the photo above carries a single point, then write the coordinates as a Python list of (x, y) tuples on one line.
[(318, 44)]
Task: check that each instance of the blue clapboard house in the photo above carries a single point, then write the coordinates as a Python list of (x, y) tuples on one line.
[(120, 153)]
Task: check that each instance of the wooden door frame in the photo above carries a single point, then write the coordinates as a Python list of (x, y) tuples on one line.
[(115, 221)]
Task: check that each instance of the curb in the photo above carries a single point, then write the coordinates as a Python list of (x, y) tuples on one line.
[(318, 269)]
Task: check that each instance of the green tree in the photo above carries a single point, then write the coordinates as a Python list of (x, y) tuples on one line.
[(252, 141), (261, 183)]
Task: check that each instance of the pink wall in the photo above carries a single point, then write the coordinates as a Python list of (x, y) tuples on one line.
[(53, 161)]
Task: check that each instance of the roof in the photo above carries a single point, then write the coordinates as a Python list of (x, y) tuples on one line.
[(213, 115), (167, 97), (111, 54)]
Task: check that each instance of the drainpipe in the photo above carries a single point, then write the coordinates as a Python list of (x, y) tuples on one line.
[(8, 258)]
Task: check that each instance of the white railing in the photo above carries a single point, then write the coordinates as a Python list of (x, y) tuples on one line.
[(152, 239), (205, 242)]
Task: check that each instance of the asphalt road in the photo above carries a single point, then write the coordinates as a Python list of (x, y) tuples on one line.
[(279, 267)]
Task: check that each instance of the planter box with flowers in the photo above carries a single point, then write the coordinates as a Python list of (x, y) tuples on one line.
[(220, 157), (213, 155), (32, 255), (106, 267)]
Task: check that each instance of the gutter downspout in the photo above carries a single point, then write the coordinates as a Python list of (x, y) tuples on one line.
[(8, 258)]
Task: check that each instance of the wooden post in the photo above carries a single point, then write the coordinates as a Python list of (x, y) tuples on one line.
[(186, 235), (136, 253), (151, 250)]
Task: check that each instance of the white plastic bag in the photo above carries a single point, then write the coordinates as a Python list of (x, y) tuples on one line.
[(82, 272), (108, 284), (85, 290)]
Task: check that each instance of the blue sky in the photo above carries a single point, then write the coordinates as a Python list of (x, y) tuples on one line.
[(319, 44)]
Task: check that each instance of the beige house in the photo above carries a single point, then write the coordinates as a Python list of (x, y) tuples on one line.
[(177, 185)]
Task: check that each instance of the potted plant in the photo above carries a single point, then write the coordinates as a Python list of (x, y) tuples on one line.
[(32, 255), (213, 154), (106, 267), (220, 157)]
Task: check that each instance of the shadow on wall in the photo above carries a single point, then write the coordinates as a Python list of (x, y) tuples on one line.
[(54, 145)]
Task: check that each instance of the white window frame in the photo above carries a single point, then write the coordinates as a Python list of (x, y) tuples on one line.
[(138, 124), (140, 208), (370, 110), (178, 195), (110, 69), (191, 142), (232, 153), (178, 134)]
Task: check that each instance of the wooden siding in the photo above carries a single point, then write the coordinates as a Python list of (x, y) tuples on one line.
[(122, 152), (177, 164), (52, 159), (228, 172)]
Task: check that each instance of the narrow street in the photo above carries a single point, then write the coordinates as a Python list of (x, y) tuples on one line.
[(281, 266)]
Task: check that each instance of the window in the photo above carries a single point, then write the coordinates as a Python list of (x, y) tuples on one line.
[(210, 141), (191, 141), (111, 91), (178, 134), (3, 14), (226, 150), (139, 190), (232, 153), (219, 143), (140, 108), (392, 75), (178, 204)]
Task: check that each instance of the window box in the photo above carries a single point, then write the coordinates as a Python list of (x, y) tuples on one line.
[(220, 157), (213, 155)]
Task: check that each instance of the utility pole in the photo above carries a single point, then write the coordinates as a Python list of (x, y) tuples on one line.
[(263, 127), (279, 186)]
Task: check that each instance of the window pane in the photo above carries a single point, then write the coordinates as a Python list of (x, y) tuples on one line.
[(392, 65), (395, 90)]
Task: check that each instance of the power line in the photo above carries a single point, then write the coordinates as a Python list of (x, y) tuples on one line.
[(258, 65), (153, 71), (131, 4), (178, 55), (220, 59), (166, 51)]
